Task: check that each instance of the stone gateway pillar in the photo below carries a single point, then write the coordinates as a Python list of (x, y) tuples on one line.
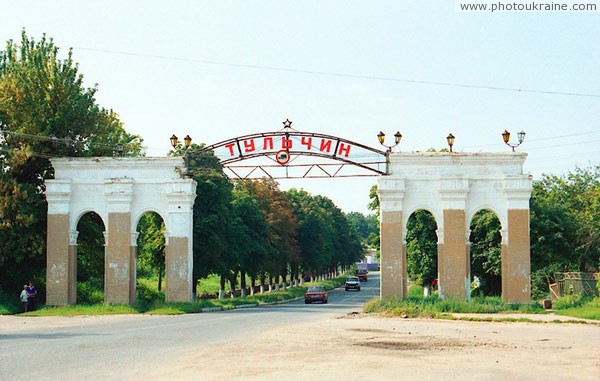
[(392, 246), (120, 190), (453, 187)]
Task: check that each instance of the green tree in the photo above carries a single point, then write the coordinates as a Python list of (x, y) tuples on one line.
[(374, 238), (326, 238), (213, 218), (347, 248), (421, 248), (250, 236), (374, 203), (90, 248), (486, 258), (45, 111), (282, 226), (365, 226), (565, 225), (313, 232), (151, 247)]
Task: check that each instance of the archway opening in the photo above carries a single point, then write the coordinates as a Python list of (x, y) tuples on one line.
[(421, 252), (90, 259), (486, 254), (150, 258)]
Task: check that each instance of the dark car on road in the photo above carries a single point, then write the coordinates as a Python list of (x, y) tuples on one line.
[(352, 283), (315, 294)]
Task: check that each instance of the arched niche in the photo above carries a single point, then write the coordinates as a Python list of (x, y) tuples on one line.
[(485, 248), (90, 233)]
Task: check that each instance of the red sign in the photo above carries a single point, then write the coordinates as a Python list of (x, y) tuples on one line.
[(282, 157), (298, 143)]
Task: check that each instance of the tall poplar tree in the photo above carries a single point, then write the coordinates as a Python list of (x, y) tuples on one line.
[(45, 111)]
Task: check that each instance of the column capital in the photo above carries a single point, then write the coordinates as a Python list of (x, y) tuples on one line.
[(517, 190), (134, 237), (391, 193), (58, 196), (73, 234)]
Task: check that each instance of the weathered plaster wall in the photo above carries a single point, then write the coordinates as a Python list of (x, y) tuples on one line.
[(393, 256), (57, 260), (453, 187), (120, 190), (516, 270), (178, 269)]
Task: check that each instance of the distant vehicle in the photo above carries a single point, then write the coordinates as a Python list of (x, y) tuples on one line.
[(362, 274), (352, 283), (315, 294)]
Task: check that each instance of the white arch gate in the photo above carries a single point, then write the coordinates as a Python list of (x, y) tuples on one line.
[(120, 190), (453, 187)]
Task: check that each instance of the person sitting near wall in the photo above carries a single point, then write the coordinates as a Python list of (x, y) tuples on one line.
[(24, 298)]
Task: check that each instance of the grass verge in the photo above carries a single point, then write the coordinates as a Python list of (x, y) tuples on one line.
[(585, 308), (145, 303), (289, 293), (432, 307), (82, 309)]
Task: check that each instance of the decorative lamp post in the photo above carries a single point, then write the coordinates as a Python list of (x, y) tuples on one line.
[(187, 142), (397, 138), (450, 139), (506, 138), (174, 141), (381, 138)]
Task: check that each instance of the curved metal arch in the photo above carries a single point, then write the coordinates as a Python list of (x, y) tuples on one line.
[(296, 144)]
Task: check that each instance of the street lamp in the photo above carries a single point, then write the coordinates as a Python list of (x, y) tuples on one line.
[(520, 137), (450, 139), (187, 142), (381, 138)]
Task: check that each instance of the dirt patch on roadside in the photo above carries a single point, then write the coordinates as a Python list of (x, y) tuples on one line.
[(370, 348)]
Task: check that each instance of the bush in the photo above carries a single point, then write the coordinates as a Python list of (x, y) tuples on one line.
[(9, 303), (90, 292), (415, 290), (147, 293), (569, 301)]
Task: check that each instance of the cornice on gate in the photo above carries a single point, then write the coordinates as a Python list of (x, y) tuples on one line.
[(123, 185), (118, 167), (422, 164)]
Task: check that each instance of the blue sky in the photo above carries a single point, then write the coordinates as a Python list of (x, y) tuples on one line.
[(220, 69)]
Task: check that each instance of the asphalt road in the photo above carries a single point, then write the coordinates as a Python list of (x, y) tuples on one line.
[(114, 348)]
